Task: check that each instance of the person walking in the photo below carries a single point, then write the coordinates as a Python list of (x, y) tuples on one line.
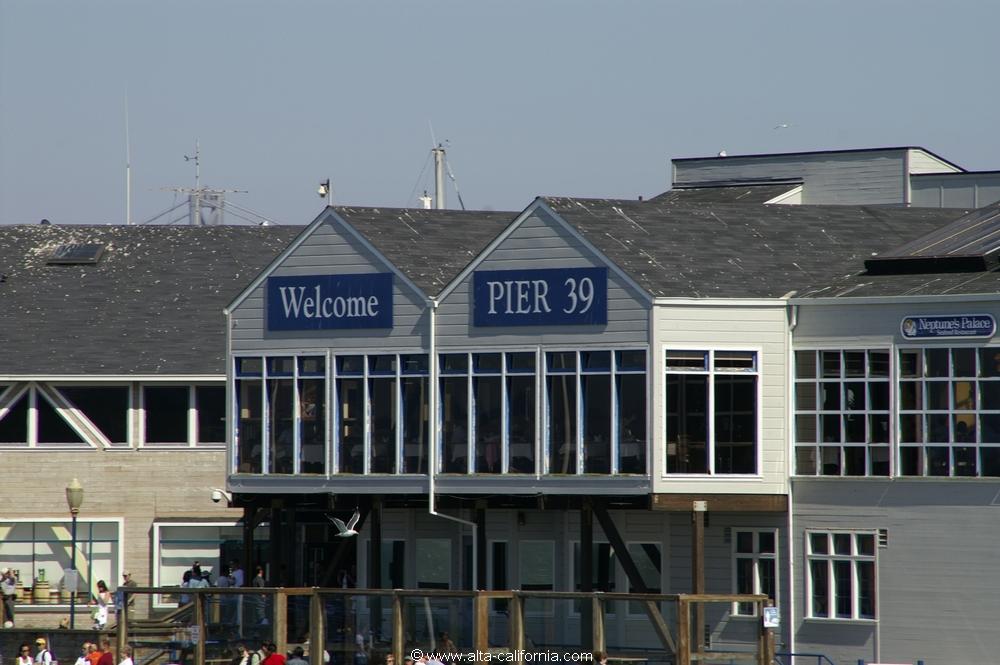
[(8, 585), (127, 581), (101, 605), (43, 655), (107, 658), (82, 658), (127, 653), (24, 655), (259, 582)]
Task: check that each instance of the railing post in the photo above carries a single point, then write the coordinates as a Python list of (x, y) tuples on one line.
[(597, 613), (317, 628), (683, 632), (398, 630), (481, 623), (199, 622), (517, 640), (280, 620), (122, 637)]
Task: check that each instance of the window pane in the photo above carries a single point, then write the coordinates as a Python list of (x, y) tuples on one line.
[(433, 563), (805, 396), (820, 582), (830, 428), (735, 360), (878, 363), (805, 429), (854, 428), (351, 365), (964, 425), (351, 412), (937, 362), (854, 461), (990, 395), (521, 423), (989, 425), (937, 461), (744, 542), (454, 363), (831, 364), (911, 461), (312, 424), (911, 395), (250, 440), (312, 366), (965, 461), (687, 360), (866, 589), (842, 543), (989, 362), (416, 430), (830, 396), (735, 424), (765, 540), (596, 390), (520, 362), (562, 424), (866, 544), (486, 393), (843, 588), (687, 423), (768, 578), (52, 428), (383, 364), (910, 364), (963, 362), (562, 361), (830, 456), (210, 401), (166, 414), (805, 364), (249, 366), (854, 396), (107, 408), (991, 461), (631, 423), (937, 428), (854, 363), (535, 572), (805, 460), (595, 360), (937, 395), (454, 424), (630, 361), (911, 429), (284, 366), (413, 364), (281, 431), (878, 395), (878, 428), (818, 543), (880, 460), (487, 362)]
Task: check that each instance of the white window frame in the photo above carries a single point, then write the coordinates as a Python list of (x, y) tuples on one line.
[(756, 556), (817, 412), (157, 601), (117, 567), (711, 372), (854, 558)]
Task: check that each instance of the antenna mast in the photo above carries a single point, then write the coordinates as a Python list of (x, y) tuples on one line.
[(438, 152)]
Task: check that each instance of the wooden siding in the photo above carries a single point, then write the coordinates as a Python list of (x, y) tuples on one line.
[(541, 242), (330, 251), (924, 162), (863, 178), (938, 592), (728, 327)]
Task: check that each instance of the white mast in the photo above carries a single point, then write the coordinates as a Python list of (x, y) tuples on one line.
[(438, 177), (128, 168)]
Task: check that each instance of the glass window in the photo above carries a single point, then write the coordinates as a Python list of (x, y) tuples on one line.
[(631, 422), (455, 424), (949, 409), (382, 398), (312, 425), (166, 413), (250, 424), (521, 429), (106, 407), (755, 560), (486, 393), (842, 416), (42, 550), (841, 580), (729, 446), (351, 424), (597, 422), (562, 425), (433, 563), (281, 424), (52, 428), (536, 572), (416, 423), (210, 402)]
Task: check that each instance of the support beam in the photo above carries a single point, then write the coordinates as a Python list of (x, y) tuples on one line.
[(281, 621), (698, 509), (398, 629), (199, 622), (481, 548), (586, 572), (481, 623), (517, 640), (122, 629), (683, 632), (375, 567), (634, 577), (599, 643), (317, 628)]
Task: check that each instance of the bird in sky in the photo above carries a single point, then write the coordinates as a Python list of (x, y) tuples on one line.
[(782, 125), (346, 530)]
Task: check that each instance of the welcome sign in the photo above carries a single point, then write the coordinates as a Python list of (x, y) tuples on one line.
[(324, 302), (540, 297), (948, 325)]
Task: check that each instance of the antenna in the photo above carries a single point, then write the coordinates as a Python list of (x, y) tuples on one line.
[(438, 153), (197, 163), (128, 168)]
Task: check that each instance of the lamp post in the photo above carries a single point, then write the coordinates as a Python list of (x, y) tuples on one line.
[(74, 499)]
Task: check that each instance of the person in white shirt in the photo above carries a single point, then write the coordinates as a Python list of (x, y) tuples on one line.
[(127, 652), (24, 655), (82, 659), (44, 656)]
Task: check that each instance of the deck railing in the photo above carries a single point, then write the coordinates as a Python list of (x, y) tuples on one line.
[(364, 626)]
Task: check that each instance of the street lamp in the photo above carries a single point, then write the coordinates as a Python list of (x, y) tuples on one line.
[(74, 499)]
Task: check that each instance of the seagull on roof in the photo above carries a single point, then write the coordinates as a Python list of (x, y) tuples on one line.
[(346, 530)]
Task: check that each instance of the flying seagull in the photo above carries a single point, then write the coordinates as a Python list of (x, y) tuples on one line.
[(346, 530)]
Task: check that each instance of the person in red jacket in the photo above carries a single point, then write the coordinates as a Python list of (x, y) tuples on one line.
[(273, 657), (107, 658)]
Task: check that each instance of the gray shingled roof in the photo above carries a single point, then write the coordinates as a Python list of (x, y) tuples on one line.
[(151, 306), (748, 193), (429, 246), (684, 250)]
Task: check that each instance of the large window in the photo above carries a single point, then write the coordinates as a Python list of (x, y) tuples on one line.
[(711, 412), (842, 412), (183, 415), (949, 412), (595, 411), (755, 562), (603, 570), (536, 572), (281, 414), (43, 550), (841, 575)]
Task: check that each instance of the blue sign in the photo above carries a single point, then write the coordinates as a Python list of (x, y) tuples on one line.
[(948, 325), (321, 302), (541, 297)]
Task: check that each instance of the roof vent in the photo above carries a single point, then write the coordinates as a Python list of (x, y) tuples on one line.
[(76, 253)]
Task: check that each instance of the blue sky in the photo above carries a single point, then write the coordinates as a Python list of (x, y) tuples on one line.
[(534, 97)]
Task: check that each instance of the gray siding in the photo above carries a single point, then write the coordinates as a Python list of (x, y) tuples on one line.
[(854, 325), (727, 327), (873, 177), (330, 251), (541, 242), (938, 592), (969, 190)]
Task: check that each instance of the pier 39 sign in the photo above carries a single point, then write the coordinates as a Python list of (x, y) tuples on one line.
[(540, 297), (323, 302)]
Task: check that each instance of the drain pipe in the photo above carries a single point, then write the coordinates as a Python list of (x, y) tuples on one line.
[(793, 322), (432, 404)]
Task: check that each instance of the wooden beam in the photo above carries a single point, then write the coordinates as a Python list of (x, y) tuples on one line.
[(122, 629), (398, 629), (683, 632), (698, 509), (517, 640), (375, 567), (599, 643), (199, 621), (317, 628), (634, 576), (722, 503), (281, 621), (481, 623)]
